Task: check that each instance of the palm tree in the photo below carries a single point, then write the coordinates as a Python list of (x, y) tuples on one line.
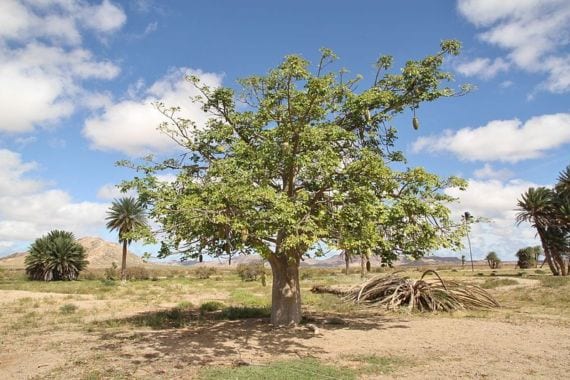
[(125, 215), (55, 256), (535, 207)]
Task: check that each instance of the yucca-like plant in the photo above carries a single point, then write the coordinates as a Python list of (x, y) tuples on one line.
[(55, 256)]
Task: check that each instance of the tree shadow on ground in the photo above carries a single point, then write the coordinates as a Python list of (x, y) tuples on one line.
[(197, 339)]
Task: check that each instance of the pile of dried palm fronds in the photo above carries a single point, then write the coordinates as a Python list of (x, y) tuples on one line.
[(395, 292)]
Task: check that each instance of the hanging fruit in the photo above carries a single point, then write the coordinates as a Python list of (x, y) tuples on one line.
[(200, 258), (415, 123)]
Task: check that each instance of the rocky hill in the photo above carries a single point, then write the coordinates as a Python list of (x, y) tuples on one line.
[(100, 254)]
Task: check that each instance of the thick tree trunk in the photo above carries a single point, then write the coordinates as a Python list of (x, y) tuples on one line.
[(124, 262), (286, 292)]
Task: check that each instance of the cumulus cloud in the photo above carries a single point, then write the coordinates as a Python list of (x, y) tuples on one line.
[(110, 191), (502, 140), (488, 172), (57, 20), (535, 34), (482, 67), (496, 201), (130, 126), (30, 208), (42, 63)]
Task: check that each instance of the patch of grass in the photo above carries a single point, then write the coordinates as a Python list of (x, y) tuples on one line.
[(211, 306), (301, 369), (162, 319), (246, 297), (68, 308), (493, 283), (373, 364), (327, 303), (244, 312), (26, 323), (185, 305), (554, 281)]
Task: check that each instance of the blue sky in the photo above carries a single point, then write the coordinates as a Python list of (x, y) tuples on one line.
[(77, 79)]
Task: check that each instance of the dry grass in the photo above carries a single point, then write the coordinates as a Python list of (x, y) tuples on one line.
[(100, 336)]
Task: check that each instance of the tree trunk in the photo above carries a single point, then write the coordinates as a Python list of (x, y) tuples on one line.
[(561, 264), (547, 256), (124, 262), (286, 292), (362, 265), (346, 262)]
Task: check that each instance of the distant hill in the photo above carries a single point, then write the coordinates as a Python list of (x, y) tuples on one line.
[(329, 262), (100, 254)]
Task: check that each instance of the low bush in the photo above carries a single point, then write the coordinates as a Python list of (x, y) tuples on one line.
[(205, 272), (112, 273), (138, 273), (251, 271), (68, 308)]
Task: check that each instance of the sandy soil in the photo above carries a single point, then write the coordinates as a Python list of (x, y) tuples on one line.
[(435, 347)]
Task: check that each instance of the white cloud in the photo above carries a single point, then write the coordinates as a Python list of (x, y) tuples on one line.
[(535, 33), (110, 191), (12, 171), (104, 18), (495, 200), (29, 208), (487, 172), (502, 140), (482, 67), (42, 63), (130, 126), (58, 21)]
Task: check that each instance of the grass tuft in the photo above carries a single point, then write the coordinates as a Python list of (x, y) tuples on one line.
[(493, 283), (68, 308), (301, 369)]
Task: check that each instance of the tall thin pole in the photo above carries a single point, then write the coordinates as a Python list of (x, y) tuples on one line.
[(467, 216), (470, 253)]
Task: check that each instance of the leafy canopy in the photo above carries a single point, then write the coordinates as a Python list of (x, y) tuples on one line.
[(300, 159), (127, 216)]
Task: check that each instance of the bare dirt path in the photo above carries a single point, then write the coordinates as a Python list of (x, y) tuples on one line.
[(429, 348)]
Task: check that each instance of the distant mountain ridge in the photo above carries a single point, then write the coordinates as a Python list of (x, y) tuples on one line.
[(100, 254), (329, 262)]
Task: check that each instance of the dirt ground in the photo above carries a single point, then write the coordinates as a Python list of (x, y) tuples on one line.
[(436, 347)]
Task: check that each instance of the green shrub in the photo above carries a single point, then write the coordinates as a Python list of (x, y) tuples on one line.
[(205, 272), (55, 256), (112, 273), (527, 257), (251, 271)]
